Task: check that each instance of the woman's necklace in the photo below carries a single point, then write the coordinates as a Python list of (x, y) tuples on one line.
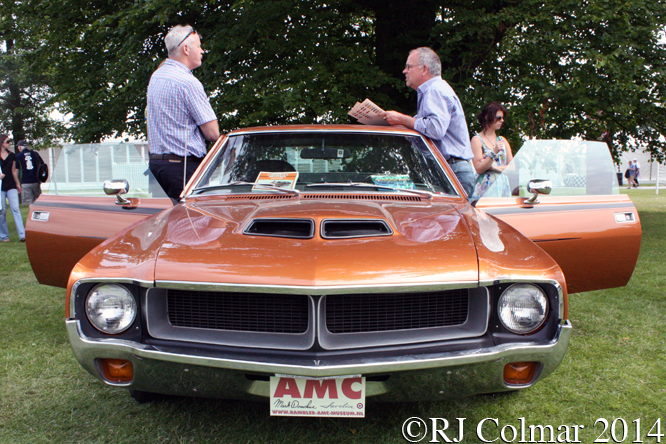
[(489, 142)]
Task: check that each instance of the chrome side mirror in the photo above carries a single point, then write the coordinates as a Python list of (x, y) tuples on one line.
[(536, 187), (117, 187)]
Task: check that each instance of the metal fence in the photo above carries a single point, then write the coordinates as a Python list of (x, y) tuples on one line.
[(83, 168)]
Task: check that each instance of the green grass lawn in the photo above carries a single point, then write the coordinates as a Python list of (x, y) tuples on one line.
[(615, 368)]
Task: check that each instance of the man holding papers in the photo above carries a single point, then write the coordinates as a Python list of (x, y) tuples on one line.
[(439, 114)]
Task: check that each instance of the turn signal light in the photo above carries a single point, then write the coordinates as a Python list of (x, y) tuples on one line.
[(519, 373), (117, 370)]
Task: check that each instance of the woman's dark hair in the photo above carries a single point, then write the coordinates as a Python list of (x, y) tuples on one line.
[(487, 115), (3, 137)]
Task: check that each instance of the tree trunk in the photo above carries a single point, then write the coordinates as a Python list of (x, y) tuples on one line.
[(14, 99), (400, 26)]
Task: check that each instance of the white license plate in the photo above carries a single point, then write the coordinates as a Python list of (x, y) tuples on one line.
[(296, 396)]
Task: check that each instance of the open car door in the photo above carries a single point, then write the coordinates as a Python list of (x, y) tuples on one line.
[(75, 214), (585, 224)]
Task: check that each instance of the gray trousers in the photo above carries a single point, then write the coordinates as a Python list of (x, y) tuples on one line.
[(30, 192)]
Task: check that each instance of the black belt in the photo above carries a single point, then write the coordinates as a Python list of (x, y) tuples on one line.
[(174, 157), (453, 159)]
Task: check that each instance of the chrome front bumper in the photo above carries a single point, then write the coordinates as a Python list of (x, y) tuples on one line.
[(402, 378)]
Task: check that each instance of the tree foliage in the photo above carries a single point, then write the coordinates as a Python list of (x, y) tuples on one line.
[(26, 102), (592, 69)]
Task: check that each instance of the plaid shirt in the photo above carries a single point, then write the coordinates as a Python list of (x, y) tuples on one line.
[(177, 105)]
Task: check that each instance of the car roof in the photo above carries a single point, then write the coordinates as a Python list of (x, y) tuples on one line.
[(327, 128)]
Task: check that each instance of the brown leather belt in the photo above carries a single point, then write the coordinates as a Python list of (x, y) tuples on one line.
[(174, 157)]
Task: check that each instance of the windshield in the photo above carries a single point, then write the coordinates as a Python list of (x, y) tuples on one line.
[(81, 169), (325, 161), (575, 168)]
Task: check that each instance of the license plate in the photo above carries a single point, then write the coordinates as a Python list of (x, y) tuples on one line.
[(298, 396)]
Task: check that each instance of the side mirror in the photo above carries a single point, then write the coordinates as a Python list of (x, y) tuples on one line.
[(117, 187), (537, 187)]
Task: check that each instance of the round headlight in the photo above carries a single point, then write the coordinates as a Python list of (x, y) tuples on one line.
[(111, 308), (522, 308)]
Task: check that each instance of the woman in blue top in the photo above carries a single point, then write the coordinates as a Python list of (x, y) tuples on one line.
[(492, 153)]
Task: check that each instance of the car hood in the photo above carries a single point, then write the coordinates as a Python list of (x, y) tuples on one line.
[(203, 241)]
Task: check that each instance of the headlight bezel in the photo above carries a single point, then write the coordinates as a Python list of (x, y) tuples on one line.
[(128, 302), (543, 301)]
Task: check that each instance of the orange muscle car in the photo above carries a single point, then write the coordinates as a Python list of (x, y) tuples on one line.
[(317, 266)]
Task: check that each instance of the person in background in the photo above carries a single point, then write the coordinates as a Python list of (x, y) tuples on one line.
[(439, 114), (11, 188), (637, 174), (179, 115), (492, 153), (630, 174), (2, 175), (29, 161)]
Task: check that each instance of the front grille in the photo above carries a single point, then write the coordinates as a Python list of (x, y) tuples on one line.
[(298, 321), (361, 313), (245, 312)]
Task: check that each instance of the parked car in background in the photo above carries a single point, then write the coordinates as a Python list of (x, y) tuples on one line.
[(318, 266)]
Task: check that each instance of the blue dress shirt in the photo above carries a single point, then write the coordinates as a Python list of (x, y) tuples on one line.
[(440, 117)]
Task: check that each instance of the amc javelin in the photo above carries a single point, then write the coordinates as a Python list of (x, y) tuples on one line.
[(319, 266)]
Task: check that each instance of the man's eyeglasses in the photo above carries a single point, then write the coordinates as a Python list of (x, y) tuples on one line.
[(499, 118), (192, 31), (408, 66)]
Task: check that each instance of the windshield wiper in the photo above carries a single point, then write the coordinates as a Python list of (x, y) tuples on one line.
[(422, 193), (252, 184)]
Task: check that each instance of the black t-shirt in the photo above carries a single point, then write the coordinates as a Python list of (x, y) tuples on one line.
[(8, 182), (29, 162)]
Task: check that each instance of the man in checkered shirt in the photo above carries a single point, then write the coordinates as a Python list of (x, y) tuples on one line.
[(180, 118)]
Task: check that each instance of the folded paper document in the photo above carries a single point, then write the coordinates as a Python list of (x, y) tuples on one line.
[(368, 113)]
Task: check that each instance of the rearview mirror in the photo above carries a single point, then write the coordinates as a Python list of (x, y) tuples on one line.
[(325, 153)]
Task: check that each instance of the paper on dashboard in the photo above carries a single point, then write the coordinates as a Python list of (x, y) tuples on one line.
[(368, 113)]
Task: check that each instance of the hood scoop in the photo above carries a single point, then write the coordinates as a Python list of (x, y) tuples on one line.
[(293, 228), (345, 229)]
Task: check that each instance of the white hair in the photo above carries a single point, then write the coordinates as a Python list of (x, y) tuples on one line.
[(429, 58), (176, 37)]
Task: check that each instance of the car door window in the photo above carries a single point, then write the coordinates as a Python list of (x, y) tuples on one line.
[(575, 168), (81, 169)]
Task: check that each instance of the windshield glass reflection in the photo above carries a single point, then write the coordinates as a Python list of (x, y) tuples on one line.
[(325, 162)]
